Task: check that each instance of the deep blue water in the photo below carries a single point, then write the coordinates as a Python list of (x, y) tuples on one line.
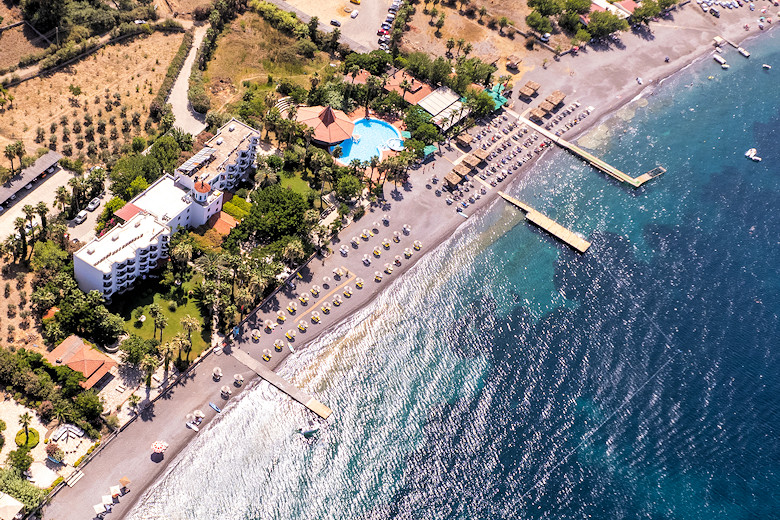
[(507, 377)]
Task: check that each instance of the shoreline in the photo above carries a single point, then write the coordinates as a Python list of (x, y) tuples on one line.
[(442, 223)]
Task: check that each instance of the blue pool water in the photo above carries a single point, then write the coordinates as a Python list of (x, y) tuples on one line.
[(505, 377), (374, 136)]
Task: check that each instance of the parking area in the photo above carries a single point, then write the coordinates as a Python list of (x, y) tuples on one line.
[(45, 190)]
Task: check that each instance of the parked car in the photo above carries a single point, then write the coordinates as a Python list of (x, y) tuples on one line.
[(354, 13), (335, 23), (545, 37), (93, 204), (2, 209), (381, 32), (81, 217), (28, 187), (386, 26)]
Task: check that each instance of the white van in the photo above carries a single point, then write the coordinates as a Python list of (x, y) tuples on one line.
[(81, 217)]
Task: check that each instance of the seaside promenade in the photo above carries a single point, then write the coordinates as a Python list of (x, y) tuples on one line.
[(431, 221)]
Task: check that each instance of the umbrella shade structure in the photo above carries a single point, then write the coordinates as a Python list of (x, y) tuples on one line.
[(226, 389), (326, 280), (190, 417), (158, 447), (99, 509), (107, 500), (115, 491), (238, 378), (256, 334), (269, 324), (290, 334), (277, 343), (329, 126), (407, 229), (199, 414), (355, 240), (385, 218), (375, 226), (124, 481), (267, 351), (216, 373)]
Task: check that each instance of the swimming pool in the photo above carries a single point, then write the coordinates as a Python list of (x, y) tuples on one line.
[(369, 138)]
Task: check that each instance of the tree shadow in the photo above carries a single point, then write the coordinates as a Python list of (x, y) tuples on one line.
[(643, 32)]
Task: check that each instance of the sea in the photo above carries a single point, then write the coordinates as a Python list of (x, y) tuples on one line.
[(507, 377)]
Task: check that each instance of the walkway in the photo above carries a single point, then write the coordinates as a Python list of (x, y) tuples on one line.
[(187, 119)]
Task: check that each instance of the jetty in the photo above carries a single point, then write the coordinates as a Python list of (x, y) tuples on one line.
[(593, 160), (277, 381), (541, 220)]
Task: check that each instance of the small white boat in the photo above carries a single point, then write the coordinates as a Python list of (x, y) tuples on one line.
[(192, 426), (719, 59), (756, 158), (725, 66), (743, 52), (309, 430), (767, 67), (639, 80), (750, 153)]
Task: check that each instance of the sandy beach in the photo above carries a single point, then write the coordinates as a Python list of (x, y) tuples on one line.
[(604, 78)]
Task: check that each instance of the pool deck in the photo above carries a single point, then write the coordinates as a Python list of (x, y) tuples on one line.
[(359, 115)]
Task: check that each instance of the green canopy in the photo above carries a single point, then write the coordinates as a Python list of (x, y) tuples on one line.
[(405, 134), (429, 150)]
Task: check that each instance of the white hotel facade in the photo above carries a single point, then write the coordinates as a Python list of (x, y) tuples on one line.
[(188, 198)]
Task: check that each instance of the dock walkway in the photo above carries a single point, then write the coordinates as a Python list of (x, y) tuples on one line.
[(543, 221), (592, 159), (277, 381)]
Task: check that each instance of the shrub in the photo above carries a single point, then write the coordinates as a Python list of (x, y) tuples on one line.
[(32, 440), (197, 92), (172, 306)]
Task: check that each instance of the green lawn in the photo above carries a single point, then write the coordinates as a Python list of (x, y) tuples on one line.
[(148, 292)]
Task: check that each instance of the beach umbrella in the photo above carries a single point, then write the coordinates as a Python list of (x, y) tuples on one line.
[(115, 491), (398, 259), (293, 305), (124, 481), (238, 378), (385, 218), (316, 288), (99, 509), (256, 333), (189, 417), (278, 342), (365, 232), (315, 315), (269, 324), (290, 333), (339, 272), (198, 414), (157, 447), (226, 389), (355, 240), (107, 500), (396, 234), (267, 352), (347, 291), (326, 280), (337, 298), (358, 281), (376, 226)]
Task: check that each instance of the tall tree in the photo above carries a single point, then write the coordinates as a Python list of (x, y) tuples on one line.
[(19, 225), (24, 421), (29, 214), (62, 197), (190, 324), (10, 153), (42, 210)]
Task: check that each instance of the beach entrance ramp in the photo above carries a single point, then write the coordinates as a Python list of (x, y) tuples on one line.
[(288, 388)]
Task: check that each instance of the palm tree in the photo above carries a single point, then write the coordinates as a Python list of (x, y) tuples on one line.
[(19, 225), (29, 213), (24, 422), (482, 12), (77, 185), (293, 251), (61, 412), (467, 49), (244, 298), (134, 399), (405, 87), (155, 312), (10, 153), (42, 210), (190, 324), (182, 254), (62, 197), (148, 366), (166, 350), (160, 322), (461, 43), (450, 44), (183, 344), (19, 151), (210, 264)]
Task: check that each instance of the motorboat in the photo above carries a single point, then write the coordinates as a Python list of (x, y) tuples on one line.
[(750, 153), (192, 426), (767, 67), (725, 66), (309, 430)]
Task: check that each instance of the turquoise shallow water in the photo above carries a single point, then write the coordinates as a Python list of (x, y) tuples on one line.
[(508, 377), (374, 135)]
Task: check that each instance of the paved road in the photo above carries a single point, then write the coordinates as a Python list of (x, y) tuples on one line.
[(187, 119)]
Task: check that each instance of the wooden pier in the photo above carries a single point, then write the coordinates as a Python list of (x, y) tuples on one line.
[(277, 381), (593, 160), (546, 223)]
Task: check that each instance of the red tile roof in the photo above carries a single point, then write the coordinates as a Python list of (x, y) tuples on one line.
[(416, 92), (628, 5), (330, 126), (77, 355), (127, 211), (202, 187)]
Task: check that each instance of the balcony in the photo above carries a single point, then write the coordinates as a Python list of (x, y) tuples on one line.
[(107, 276), (107, 285)]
